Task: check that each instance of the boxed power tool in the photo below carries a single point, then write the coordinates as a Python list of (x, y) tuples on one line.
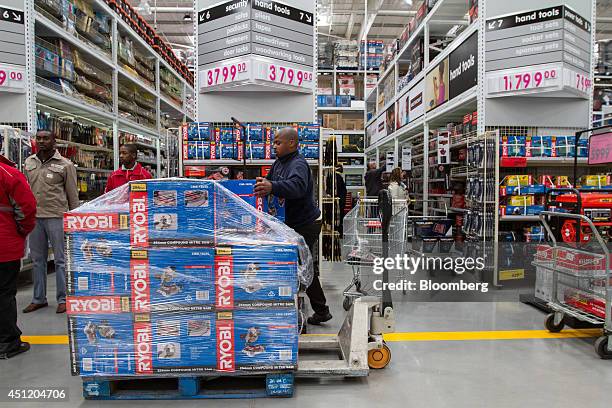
[(179, 279), (229, 215), (259, 276), (163, 211), (539, 146), (101, 335), (257, 340), (513, 146)]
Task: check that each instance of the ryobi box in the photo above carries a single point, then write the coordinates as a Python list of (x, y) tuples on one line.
[(244, 189), (101, 335), (97, 253), (182, 342), (257, 340), (261, 276), (165, 213), (179, 279)]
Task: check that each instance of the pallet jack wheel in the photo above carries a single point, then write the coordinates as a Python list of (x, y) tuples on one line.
[(601, 347), (550, 325), (347, 303), (379, 358)]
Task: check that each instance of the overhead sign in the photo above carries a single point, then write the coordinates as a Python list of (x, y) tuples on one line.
[(463, 67), (538, 51), (261, 27), (12, 50), (600, 148)]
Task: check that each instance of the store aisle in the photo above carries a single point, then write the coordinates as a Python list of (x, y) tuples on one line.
[(421, 374)]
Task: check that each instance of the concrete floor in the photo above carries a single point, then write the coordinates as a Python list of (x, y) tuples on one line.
[(489, 373)]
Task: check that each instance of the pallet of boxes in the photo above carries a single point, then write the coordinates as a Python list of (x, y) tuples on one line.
[(181, 280)]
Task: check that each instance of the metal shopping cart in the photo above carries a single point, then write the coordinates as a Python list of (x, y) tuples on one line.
[(575, 280), (363, 242)]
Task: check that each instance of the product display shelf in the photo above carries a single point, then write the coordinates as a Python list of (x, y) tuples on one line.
[(113, 71)]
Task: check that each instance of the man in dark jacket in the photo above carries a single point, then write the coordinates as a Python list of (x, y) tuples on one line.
[(290, 178), (17, 220), (373, 179)]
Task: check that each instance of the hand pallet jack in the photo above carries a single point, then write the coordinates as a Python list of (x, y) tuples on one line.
[(359, 341)]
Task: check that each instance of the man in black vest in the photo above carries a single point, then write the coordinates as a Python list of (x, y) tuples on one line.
[(290, 178)]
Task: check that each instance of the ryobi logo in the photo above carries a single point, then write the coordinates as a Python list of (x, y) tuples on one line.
[(143, 348), (140, 285), (224, 282), (139, 217), (96, 305), (225, 345), (91, 222)]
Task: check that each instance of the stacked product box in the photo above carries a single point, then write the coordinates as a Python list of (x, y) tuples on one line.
[(158, 285)]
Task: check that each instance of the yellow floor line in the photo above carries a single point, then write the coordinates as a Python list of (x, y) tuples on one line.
[(418, 336)]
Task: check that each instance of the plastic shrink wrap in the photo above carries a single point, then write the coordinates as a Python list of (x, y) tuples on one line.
[(181, 276)]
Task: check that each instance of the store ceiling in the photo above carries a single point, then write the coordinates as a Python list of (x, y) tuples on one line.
[(337, 19)]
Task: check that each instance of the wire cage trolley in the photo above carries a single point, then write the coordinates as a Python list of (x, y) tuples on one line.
[(578, 280), (363, 243)]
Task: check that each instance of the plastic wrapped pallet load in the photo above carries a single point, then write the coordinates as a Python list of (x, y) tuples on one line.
[(180, 276)]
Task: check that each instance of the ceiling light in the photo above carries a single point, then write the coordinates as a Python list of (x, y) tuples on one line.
[(324, 20), (187, 17), (408, 2), (144, 8)]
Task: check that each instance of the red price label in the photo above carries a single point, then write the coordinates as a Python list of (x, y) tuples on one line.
[(288, 76), (14, 76), (528, 80), (600, 148), (225, 74), (582, 83)]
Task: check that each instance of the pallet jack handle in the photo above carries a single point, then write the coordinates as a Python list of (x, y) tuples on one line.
[(385, 206)]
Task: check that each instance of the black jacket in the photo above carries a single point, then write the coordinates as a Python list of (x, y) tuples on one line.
[(373, 182), (292, 180)]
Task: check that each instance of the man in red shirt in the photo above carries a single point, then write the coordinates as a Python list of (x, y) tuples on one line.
[(130, 170), (17, 220)]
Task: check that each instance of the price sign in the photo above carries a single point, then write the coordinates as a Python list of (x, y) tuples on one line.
[(600, 148), (524, 80), (225, 74), (281, 74), (577, 81), (12, 79)]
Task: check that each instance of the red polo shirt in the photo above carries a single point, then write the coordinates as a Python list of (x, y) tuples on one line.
[(124, 176)]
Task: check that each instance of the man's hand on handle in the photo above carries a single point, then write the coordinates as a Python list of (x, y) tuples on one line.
[(263, 187)]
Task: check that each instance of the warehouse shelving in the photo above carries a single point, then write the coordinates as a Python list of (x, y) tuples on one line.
[(48, 96)]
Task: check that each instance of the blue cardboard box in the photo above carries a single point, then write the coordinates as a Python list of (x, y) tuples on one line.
[(183, 342), (227, 135), (310, 150), (513, 146), (524, 210), (167, 212), (101, 336), (264, 339), (98, 263), (180, 279), (256, 151), (227, 151), (343, 101), (255, 277), (244, 189), (198, 131), (309, 132), (539, 146), (256, 133), (198, 150)]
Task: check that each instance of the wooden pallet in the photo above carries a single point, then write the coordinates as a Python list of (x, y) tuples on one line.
[(189, 387)]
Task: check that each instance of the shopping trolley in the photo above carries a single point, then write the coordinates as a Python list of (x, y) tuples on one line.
[(363, 242), (575, 281)]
